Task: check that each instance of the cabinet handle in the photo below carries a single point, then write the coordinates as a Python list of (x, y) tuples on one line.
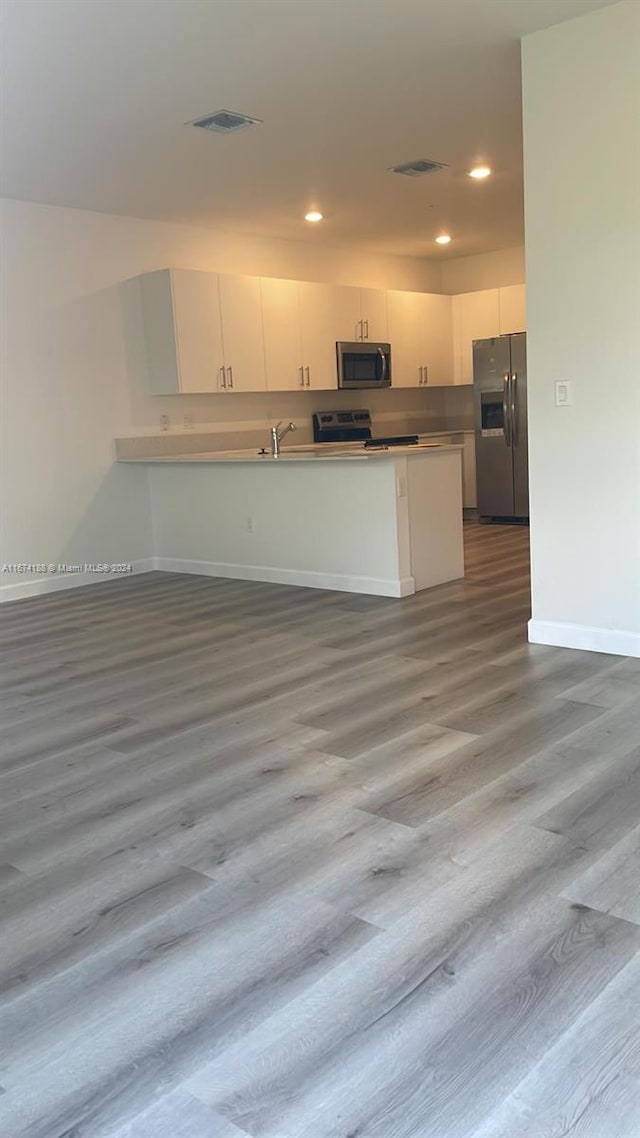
[(425, 375), (366, 334), (358, 329), (221, 378), (420, 377), (308, 374), (301, 370), (230, 375)]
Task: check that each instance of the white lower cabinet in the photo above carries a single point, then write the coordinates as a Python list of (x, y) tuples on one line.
[(468, 443), (469, 491)]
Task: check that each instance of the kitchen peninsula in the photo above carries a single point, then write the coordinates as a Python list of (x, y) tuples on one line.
[(377, 521)]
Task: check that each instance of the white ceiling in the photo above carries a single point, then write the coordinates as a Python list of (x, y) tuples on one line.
[(97, 92)]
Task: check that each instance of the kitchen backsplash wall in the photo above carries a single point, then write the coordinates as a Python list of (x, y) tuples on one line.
[(243, 419)]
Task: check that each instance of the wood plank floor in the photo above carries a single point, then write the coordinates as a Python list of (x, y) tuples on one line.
[(284, 863)]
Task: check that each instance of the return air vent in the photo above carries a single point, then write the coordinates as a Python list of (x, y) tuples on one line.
[(418, 168), (225, 122)]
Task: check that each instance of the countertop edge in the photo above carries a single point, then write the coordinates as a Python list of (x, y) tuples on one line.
[(287, 459)]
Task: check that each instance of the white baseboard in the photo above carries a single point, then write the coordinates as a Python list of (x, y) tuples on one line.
[(585, 638), (375, 586), (51, 583)]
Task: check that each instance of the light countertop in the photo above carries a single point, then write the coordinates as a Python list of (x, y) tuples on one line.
[(323, 452)]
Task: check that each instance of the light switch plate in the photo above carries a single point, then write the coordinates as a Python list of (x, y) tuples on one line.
[(564, 393)]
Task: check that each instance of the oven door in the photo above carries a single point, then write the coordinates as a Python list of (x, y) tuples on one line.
[(362, 365)]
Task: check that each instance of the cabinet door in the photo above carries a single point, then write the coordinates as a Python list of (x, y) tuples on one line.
[(476, 317), (159, 332), (513, 309), (469, 494), (242, 335), (282, 341), (318, 331), (437, 339), (198, 330), (373, 312), (405, 336), (347, 314)]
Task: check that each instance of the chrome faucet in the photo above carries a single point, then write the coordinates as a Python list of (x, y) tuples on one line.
[(277, 437)]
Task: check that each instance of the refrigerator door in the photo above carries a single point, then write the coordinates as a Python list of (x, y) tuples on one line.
[(518, 406), (494, 454)]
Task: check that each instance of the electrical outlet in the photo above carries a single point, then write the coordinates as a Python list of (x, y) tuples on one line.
[(164, 422), (188, 422), (250, 525)]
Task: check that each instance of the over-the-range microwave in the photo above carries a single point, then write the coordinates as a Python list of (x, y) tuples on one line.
[(362, 365)]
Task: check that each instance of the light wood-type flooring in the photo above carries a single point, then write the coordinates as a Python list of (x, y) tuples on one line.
[(284, 863)]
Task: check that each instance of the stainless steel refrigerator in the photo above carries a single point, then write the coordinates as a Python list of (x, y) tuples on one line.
[(500, 402)]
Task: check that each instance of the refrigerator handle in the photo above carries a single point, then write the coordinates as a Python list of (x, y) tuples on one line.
[(506, 413), (514, 408)]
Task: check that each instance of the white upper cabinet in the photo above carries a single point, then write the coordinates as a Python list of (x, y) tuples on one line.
[(405, 314), (437, 339), (319, 305), (347, 312), (208, 332), (182, 331), (479, 315), (513, 309), (374, 315), (359, 314), (302, 322), (242, 333), (203, 332), (476, 316), (420, 332), (282, 334)]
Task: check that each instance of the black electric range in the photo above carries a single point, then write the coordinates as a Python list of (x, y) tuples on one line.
[(353, 427)]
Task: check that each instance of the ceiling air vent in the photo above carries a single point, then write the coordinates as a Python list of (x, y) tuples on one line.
[(417, 168), (224, 122)]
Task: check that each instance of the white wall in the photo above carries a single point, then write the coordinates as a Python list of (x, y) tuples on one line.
[(485, 270), (68, 387), (581, 85)]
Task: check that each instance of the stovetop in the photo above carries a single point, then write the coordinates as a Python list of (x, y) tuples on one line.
[(353, 426), (341, 426), (391, 441)]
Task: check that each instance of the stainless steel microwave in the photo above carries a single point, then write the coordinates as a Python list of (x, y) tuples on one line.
[(362, 365)]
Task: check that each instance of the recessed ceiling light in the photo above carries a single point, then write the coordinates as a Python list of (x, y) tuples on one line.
[(313, 215), (443, 239), (480, 172)]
